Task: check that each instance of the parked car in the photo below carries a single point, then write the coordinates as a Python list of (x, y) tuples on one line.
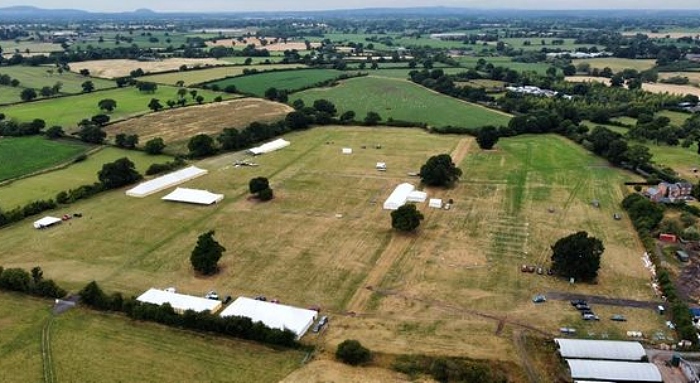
[(322, 322), (618, 318), (260, 298), (590, 317), (582, 307), (227, 299), (212, 295), (577, 302), (539, 299)]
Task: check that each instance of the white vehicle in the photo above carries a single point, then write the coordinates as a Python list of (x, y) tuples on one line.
[(212, 295)]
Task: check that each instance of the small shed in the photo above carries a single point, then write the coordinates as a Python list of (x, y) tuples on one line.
[(435, 203), (347, 151), (381, 166), (682, 256), (665, 237)]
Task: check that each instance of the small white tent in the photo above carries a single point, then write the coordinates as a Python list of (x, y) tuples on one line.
[(46, 222), (417, 196), (201, 197), (435, 203), (398, 196), (347, 150), (269, 147), (381, 166)]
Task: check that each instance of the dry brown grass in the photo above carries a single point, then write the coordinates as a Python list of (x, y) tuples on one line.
[(121, 67), (649, 87), (325, 370), (177, 125), (693, 77), (663, 35), (271, 46)]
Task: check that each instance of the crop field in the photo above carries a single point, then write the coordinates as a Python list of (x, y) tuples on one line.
[(426, 289), (290, 80), (470, 62), (206, 75), (178, 125), (141, 38), (122, 67), (88, 346), (24, 155), (403, 100), (68, 111), (10, 47), (38, 77), (47, 185), (617, 64), (672, 89), (536, 43), (403, 73), (271, 46)]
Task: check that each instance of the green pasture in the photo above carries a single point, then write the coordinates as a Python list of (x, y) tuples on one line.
[(617, 64), (206, 75), (141, 38), (24, 155), (39, 76), (10, 94), (677, 118), (47, 185), (536, 43), (68, 111), (403, 100), (291, 80), (88, 346), (471, 62), (26, 46)]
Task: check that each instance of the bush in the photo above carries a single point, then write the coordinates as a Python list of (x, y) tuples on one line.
[(353, 353)]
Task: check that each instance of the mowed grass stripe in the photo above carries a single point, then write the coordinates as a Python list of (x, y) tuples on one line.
[(20, 156), (403, 100), (68, 111)]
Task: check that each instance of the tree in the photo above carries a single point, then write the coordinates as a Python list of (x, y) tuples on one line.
[(323, 105), (569, 70), (92, 133), (372, 118), (638, 155), (266, 194), (28, 94), (206, 254), (88, 86), (129, 141), (487, 137), (84, 72), (46, 91), (118, 173), (100, 119), (406, 218), (93, 296), (352, 352), (201, 145), (148, 87), (155, 105), (199, 99), (347, 117), (107, 104), (440, 171), (258, 184), (154, 146), (15, 279), (577, 256), (297, 120), (55, 132)]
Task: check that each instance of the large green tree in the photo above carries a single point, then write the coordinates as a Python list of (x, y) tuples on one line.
[(406, 218), (577, 256), (440, 171), (487, 137), (118, 173), (154, 146), (201, 145), (206, 254), (352, 352), (107, 104)]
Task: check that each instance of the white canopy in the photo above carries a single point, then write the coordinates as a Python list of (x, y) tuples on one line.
[(417, 196), (347, 150), (273, 315), (435, 203), (46, 222), (169, 180), (398, 196), (613, 371), (270, 146), (180, 302), (600, 349), (201, 197)]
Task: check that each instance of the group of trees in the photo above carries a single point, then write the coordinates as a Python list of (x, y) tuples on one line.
[(12, 128), (16, 279), (260, 188), (239, 327)]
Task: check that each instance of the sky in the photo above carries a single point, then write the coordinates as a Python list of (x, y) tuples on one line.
[(304, 5)]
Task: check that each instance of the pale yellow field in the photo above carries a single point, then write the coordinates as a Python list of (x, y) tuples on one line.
[(120, 67), (271, 46), (649, 87)]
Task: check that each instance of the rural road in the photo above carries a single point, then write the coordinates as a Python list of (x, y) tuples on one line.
[(601, 300)]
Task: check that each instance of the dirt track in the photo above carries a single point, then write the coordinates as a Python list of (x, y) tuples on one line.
[(600, 300)]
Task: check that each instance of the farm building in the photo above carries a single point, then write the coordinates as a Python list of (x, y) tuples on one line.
[(46, 222), (195, 196), (273, 315), (600, 349), (169, 180), (609, 371), (179, 302), (269, 147), (399, 196)]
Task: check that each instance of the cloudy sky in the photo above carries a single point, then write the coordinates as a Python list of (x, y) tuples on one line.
[(288, 5)]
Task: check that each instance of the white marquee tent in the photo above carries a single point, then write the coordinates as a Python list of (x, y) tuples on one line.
[(398, 196), (273, 315), (201, 197), (609, 371), (46, 222), (180, 302), (435, 203), (169, 180), (417, 196), (269, 147), (600, 349), (347, 150)]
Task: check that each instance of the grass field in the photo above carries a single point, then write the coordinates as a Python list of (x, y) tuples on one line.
[(290, 80), (10, 94), (24, 46), (403, 100), (536, 44), (460, 263), (46, 185), (38, 77), (207, 75), (470, 62), (122, 67), (68, 111), (25, 155), (616, 64), (177, 126), (87, 346)]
